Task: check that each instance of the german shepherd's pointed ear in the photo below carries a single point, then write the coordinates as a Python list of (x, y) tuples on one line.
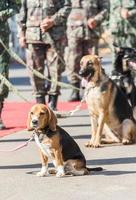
[(52, 121), (29, 128)]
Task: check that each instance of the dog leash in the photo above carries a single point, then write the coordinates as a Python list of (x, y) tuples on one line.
[(19, 146), (77, 108), (70, 113)]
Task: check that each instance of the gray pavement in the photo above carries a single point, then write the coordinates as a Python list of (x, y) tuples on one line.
[(17, 169)]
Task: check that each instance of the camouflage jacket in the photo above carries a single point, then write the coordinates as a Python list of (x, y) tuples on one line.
[(118, 25), (81, 11), (34, 11), (8, 8)]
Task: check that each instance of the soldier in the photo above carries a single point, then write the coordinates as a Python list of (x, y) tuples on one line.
[(42, 28), (83, 33), (122, 27), (8, 8)]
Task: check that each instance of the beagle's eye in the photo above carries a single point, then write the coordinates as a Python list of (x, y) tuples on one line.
[(31, 113), (42, 113)]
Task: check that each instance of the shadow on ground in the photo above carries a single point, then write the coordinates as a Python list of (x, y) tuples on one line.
[(112, 161)]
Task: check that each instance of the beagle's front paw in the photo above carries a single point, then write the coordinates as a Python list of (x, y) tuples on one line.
[(60, 172), (43, 172)]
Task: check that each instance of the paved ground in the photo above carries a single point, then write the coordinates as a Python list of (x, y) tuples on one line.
[(19, 182), (17, 170)]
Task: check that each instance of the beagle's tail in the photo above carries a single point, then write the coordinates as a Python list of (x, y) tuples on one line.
[(94, 169)]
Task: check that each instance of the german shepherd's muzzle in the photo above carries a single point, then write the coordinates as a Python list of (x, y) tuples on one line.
[(88, 71)]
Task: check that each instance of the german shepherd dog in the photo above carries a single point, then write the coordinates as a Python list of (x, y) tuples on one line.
[(125, 66), (108, 106)]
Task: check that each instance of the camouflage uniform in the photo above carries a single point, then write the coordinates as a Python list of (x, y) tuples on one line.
[(123, 31), (8, 8), (81, 39), (31, 15)]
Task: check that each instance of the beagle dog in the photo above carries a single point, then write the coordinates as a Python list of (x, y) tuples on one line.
[(55, 143), (111, 114)]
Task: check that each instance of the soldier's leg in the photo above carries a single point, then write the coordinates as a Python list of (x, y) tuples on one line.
[(4, 70), (77, 49), (36, 54), (116, 61), (56, 64), (90, 47), (117, 55), (73, 57)]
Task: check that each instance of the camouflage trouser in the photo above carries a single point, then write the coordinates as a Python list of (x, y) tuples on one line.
[(56, 64), (36, 56), (4, 70), (74, 52)]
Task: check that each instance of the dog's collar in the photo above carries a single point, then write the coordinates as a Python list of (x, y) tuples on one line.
[(90, 86), (46, 131), (93, 84)]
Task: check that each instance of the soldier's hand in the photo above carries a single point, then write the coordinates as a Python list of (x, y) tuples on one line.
[(91, 23), (22, 42), (46, 24), (124, 13)]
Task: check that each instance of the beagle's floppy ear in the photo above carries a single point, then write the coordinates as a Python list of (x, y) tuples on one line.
[(52, 121), (28, 122)]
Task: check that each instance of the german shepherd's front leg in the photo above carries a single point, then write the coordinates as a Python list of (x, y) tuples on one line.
[(101, 121), (94, 125)]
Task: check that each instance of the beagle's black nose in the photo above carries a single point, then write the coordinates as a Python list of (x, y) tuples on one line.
[(35, 121)]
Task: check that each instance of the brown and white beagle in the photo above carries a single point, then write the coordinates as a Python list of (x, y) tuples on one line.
[(55, 143), (108, 106)]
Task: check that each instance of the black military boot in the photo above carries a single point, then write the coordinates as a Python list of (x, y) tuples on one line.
[(40, 99), (75, 94), (2, 126), (53, 99)]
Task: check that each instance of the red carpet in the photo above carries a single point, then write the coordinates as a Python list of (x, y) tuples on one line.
[(15, 115)]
